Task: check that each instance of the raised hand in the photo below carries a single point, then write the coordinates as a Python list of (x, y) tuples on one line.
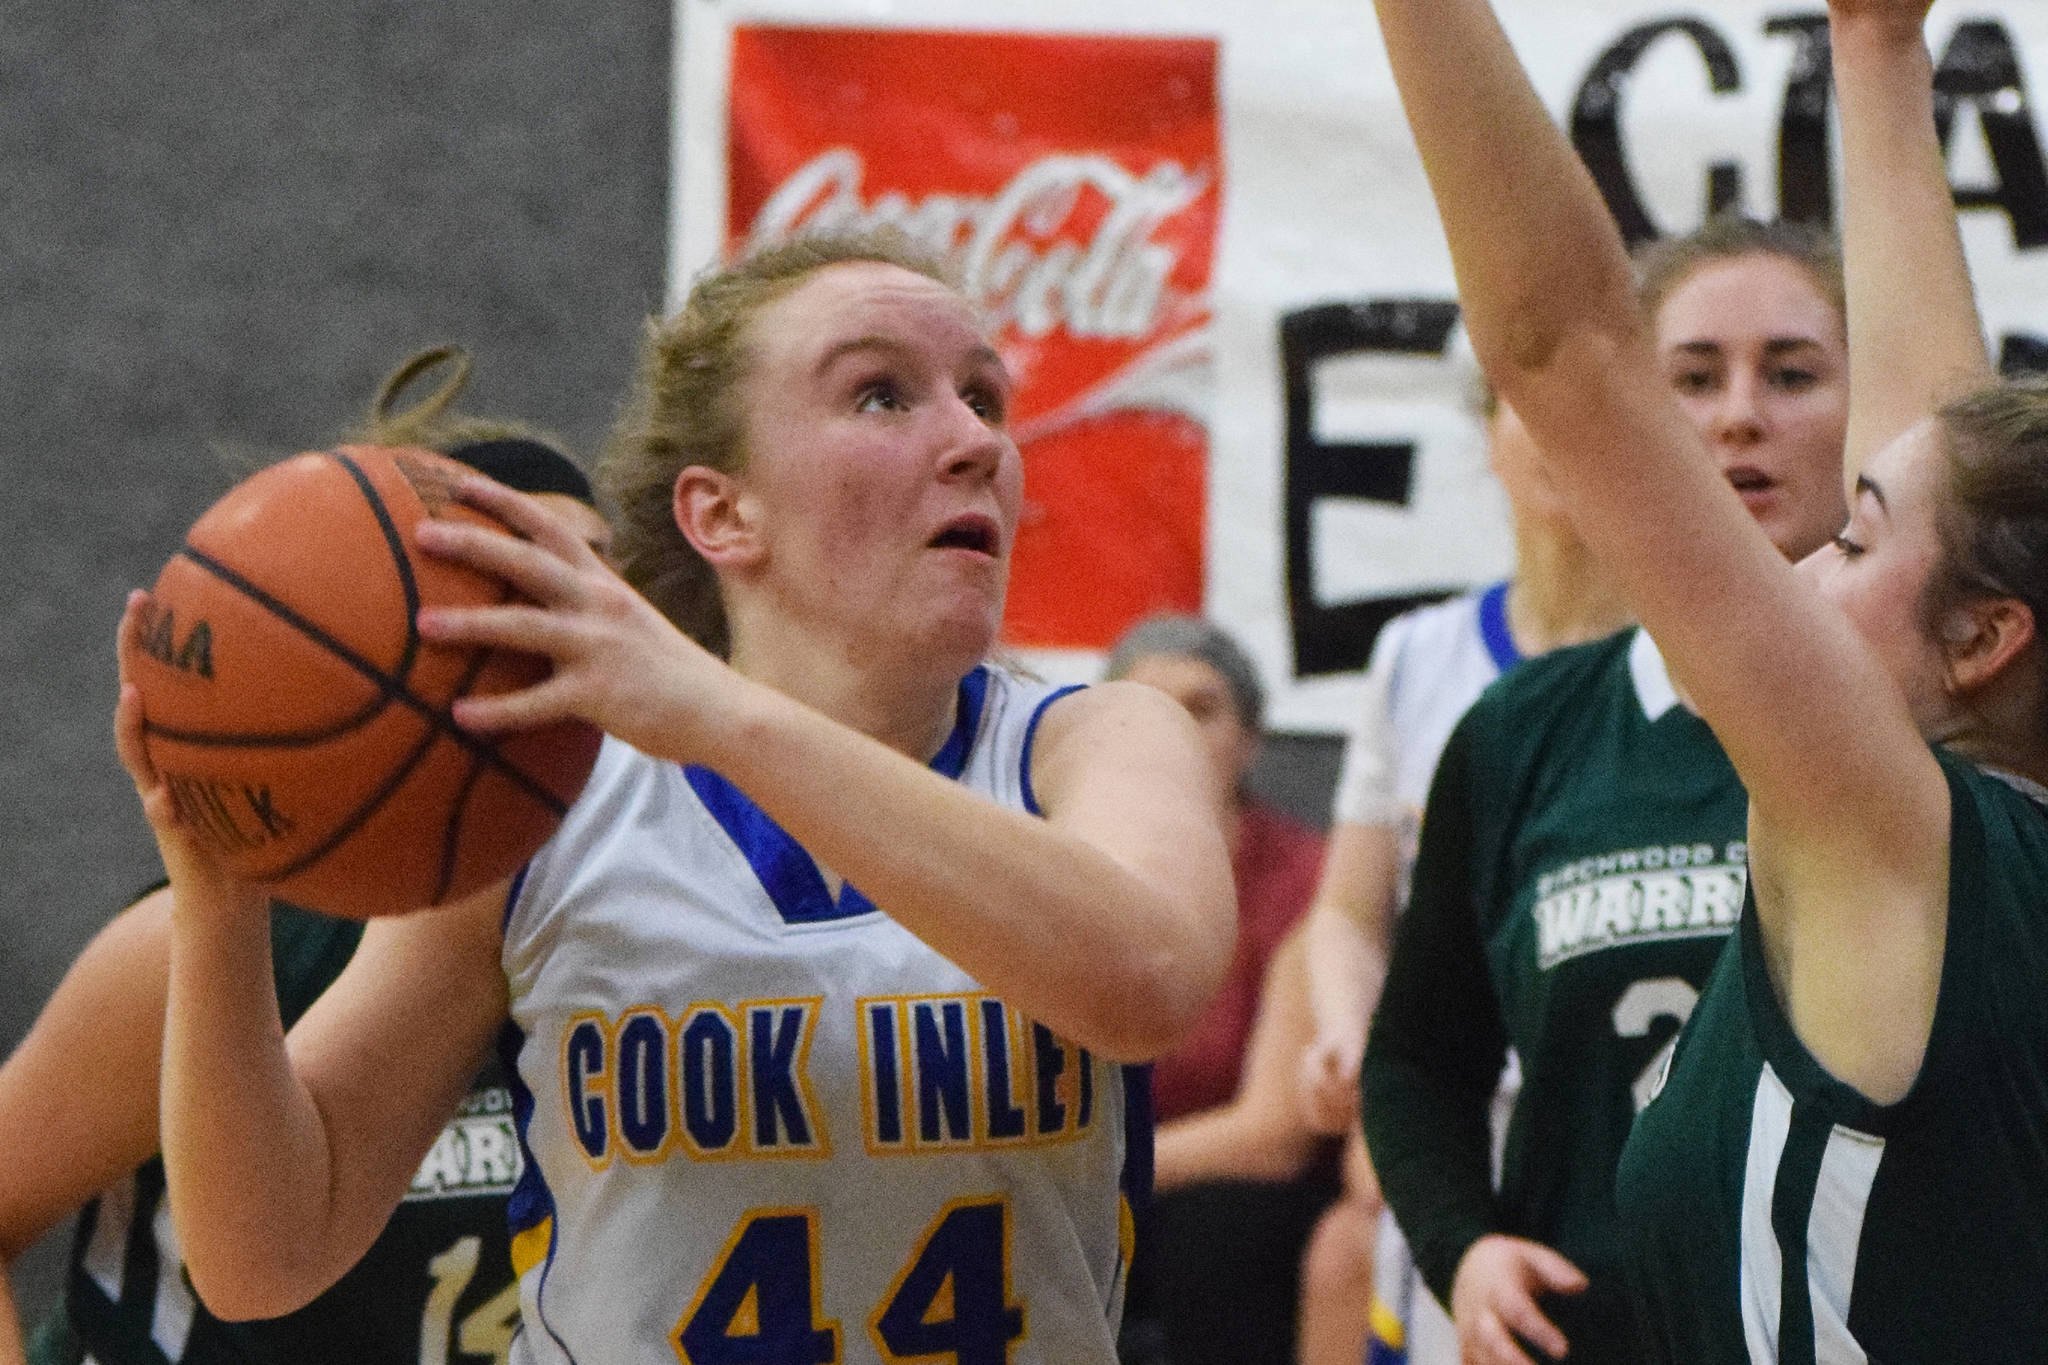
[(193, 867), (1328, 1081), (618, 662), (1901, 14)]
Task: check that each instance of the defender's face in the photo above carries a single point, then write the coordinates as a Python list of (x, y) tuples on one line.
[(1878, 569), (879, 465), (1759, 360)]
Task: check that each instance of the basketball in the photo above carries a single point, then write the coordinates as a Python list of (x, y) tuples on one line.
[(302, 725)]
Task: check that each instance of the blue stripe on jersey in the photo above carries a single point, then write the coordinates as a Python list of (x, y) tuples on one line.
[(1024, 769), (511, 901), (1136, 1179), (531, 1204), (1493, 627), (951, 759), (786, 872)]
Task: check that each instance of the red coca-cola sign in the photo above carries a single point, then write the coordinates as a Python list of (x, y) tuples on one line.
[(1076, 182)]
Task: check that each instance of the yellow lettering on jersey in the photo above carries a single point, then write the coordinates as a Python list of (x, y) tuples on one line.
[(586, 1086), (960, 1072), (787, 1119), (716, 1082), (643, 1109), (712, 1108)]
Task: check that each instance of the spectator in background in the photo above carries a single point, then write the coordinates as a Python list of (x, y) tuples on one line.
[(1238, 1179)]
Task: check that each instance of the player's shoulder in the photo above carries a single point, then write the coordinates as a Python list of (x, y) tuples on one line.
[(1437, 629), (1561, 677), (1535, 707)]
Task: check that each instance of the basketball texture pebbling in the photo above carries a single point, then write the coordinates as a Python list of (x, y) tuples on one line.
[(302, 725)]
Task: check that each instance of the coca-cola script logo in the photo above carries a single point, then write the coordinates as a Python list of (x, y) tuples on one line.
[(1075, 183)]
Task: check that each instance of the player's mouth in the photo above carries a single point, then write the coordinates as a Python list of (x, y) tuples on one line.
[(1753, 485), (974, 532)]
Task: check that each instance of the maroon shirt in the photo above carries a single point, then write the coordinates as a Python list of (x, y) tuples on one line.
[(1278, 860)]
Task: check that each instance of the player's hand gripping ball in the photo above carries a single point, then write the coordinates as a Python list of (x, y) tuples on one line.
[(300, 723)]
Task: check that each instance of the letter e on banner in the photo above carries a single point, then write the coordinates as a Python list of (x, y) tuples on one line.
[(1075, 183)]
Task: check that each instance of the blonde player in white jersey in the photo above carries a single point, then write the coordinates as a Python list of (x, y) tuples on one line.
[(817, 997)]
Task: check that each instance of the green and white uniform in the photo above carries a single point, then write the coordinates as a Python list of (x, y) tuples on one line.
[(435, 1288), (1772, 1213), (1582, 863)]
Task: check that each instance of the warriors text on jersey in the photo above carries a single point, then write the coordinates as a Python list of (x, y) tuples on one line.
[(766, 1123), (434, 1288), (1771, 1213), (1581, 864)]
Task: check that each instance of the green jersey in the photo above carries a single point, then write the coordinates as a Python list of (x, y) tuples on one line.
[(1773, 1213), (1582, 863), (436, 1286)]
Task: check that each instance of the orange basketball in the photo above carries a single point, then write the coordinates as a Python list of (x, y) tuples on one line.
[(300, 721)]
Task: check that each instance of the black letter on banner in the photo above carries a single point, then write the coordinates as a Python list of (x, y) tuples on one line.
[(1338, 639), (1596, 121), (2022, 355), (1805, 179), (1982, 68)]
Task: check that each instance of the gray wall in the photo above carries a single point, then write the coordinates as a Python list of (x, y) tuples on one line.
[(222, 221)]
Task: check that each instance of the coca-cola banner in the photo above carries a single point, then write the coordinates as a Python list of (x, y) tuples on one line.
[(1077, 181), (1217, 274)]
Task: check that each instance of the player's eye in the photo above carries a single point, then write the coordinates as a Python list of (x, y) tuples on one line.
[(878, 395), (1849, 548), (987, 402), (1794, 380), (1694, 381)]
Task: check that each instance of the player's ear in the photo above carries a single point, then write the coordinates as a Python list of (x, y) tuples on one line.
[(1982, 637), (718, 518)]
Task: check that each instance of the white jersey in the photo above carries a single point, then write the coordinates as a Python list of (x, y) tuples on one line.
[(766, 1123), (1428, 667)]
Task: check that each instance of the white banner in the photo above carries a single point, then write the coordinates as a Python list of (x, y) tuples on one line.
[(1266, 416)]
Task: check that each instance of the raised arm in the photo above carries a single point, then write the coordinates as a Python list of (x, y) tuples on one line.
[(1850, 811), (1903, 255), (284, 1161), (1110, 920)]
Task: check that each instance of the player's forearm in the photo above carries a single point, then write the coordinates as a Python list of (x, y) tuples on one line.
[(1430, 1144), (1345, 968), (1913, 324), (1235, 1141), (1536, 255), (244, 1148), (1111, 956)]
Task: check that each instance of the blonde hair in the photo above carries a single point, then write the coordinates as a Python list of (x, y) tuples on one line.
[(431, 422), (684, 411), (1662, 266)]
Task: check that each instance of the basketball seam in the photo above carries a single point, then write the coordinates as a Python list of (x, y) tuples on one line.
[(451, 837), (401, 562), (394, 690)]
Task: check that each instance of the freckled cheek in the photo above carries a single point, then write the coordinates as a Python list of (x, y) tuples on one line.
[(857, 524)]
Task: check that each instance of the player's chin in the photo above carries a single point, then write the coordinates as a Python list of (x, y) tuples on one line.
[(960, 628)]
